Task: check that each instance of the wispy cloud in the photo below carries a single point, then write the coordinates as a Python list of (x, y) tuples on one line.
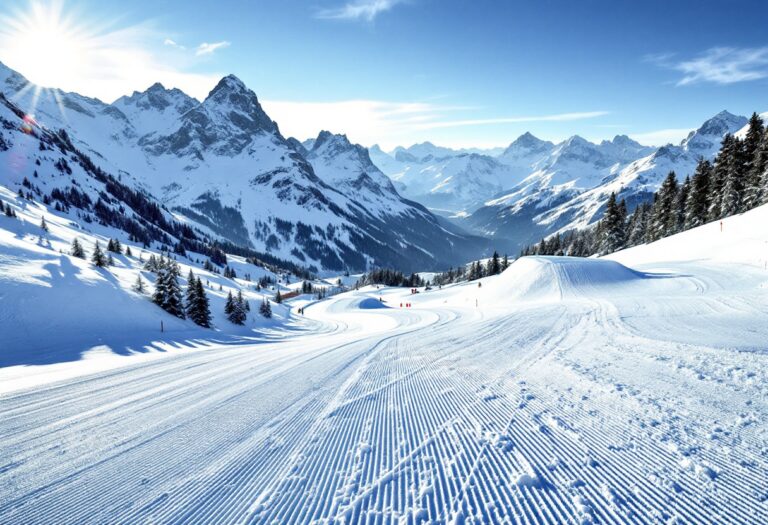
[(718, 65), (172, 43), (661, 137), (389, 123), (560, 117), (359, 10), (208, 49)]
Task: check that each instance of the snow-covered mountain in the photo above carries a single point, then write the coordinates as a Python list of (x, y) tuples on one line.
[(571, 186), (459, 183), (446, 181), (222, 166)]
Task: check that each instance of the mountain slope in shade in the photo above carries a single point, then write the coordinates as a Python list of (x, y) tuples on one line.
[(223, 166)]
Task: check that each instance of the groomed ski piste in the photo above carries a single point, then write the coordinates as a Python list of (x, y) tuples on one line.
[(627, 389)]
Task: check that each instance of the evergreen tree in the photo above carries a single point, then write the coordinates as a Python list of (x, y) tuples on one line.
[(719, 176), (237, 314), (733, 186), (278, 297), (758, 174), (191, 297), (98, 258), (697, 204), (265, 309), (680, 204), (152, 264), (229, 305), (167, 290), (613, 234), (128, 252), (664, 216), (139, 287), (494, 264), (638, 225), (198, 307), (44, 225), (77, 250), (505, 263), (110, 260), (114, 246)]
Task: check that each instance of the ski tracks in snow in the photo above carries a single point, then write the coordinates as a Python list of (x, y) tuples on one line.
[(574, 412)]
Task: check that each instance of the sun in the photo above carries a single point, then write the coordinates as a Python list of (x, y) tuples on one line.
[(46, 45)]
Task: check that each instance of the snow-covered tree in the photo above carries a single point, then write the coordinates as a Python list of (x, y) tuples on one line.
[(613, 233), (138, 286), (265, 309), (664, 215), (494, 264), (77, 249), (98, 258), (198, 307), (697, 204), (235, 308), (732, 200), (167, 290)]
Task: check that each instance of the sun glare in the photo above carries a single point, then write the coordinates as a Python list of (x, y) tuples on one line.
[(47, 46)]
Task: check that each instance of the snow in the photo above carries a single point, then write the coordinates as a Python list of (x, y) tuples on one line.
[(625, 389)]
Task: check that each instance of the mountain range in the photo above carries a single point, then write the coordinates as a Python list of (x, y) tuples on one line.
[(535, 188), (222, 167)]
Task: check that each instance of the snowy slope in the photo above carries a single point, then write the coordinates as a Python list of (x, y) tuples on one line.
[(630, 389)]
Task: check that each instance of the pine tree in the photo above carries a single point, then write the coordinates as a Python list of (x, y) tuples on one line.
[(152, 264), (198, 307), (139, 287), (613, 234), (697, 204), (265, 309), (278, 297), (237, 314), (638, 225), (757, 193), (110, 260), (243, 304), (191, 298), (128, 252), (719, 176), (733, 186), (98, 258), (229, 305), (505, 263), (494, 265), (167, 290), (44, 225), (664, 217), (114, 246), (680, 204), (77, 250)]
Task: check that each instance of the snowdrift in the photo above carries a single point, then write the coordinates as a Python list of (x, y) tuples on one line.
[(369, 303), (555, 278)]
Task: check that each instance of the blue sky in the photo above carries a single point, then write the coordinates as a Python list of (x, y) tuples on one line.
[(458, 73)]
